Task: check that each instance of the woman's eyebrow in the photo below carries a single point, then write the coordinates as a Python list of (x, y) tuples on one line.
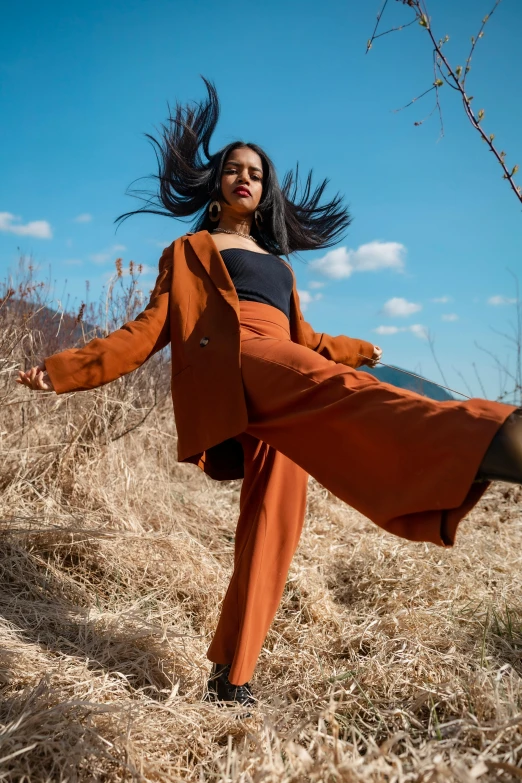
[(236, 163)]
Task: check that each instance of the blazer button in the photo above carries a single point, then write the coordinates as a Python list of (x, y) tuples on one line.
[(203, 341)]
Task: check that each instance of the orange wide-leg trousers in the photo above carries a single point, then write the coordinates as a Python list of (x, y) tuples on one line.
[(401, 459)]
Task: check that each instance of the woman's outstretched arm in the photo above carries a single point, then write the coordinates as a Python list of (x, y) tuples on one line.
[(104, 359)]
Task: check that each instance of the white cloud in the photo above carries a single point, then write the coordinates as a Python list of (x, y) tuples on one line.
[(107, 255), (417, 329), (40, 229), (400, 308), (501, 300), (335, 264), (305, 298), (379, 255), (342, 262), (85, 217), (441, 299), (450, 317), (73, 261), (316, 284), (388, 329)]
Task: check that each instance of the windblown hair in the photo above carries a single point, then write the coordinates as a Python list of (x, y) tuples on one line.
[(189, 178)]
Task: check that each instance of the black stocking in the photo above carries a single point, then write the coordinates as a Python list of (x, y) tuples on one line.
[(503, 459)]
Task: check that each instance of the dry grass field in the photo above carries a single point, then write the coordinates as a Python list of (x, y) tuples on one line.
[(387, 660)]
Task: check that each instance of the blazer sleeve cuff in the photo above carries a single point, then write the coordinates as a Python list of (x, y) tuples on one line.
[(366, 350), (59, 371)]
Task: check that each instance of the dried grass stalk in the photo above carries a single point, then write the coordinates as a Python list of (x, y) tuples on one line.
[(387, 661)]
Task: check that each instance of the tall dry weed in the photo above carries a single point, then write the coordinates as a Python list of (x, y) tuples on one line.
[(387, 660)]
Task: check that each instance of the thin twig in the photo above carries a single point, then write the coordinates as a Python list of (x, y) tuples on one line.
[(386, 32), (476, 119), (437, 97), (476, 38), (464, 381), (479, 379), (379, 16), (433, 87), (452, 78), (431, 343)]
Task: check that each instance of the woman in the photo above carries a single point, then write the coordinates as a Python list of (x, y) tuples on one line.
[(258, 394)]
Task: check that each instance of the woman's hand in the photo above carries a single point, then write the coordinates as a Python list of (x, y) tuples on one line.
[(377, 353), (36, 379)]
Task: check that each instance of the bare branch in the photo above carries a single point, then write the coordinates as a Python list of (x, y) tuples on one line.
[(386, 32), (504, 374), (437, 84), (442, 74), (476, 119), (421, 122), (415, 99), (431, 342), (452, 77), (477, 37), (464, 381), (374, 34), (479, 379), (511, 338)]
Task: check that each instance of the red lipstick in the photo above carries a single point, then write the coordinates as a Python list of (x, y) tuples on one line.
[(242, 191)]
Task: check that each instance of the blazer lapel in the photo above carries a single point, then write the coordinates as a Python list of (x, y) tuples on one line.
[(210, 258)]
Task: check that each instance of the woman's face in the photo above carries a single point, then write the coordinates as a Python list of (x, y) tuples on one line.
[(242, 180)]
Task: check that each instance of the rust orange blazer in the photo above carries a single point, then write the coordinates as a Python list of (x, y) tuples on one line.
[(194, 306)]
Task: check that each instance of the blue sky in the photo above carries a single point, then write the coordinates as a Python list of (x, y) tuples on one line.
[(81, 82)]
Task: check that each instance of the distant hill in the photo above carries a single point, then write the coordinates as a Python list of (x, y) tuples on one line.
[(403, 381), (54, 330)]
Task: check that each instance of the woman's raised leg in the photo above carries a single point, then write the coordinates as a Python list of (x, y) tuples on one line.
[(406, 462)]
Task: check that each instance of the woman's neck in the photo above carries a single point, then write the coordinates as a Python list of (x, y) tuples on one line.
[(239, 224)]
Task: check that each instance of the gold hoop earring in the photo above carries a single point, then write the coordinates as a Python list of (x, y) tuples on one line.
[(258, 217), (214, 211)]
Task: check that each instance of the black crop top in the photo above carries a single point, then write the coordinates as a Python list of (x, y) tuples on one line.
[(259, 277)]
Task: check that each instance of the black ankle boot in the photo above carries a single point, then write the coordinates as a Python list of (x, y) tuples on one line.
[(221, 691)]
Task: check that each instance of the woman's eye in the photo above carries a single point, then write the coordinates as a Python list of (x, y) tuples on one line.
[(234, 171)]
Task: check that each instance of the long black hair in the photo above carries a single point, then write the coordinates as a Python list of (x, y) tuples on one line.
[(189, 178)]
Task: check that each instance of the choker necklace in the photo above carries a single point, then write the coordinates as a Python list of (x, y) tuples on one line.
[(237, 233)]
